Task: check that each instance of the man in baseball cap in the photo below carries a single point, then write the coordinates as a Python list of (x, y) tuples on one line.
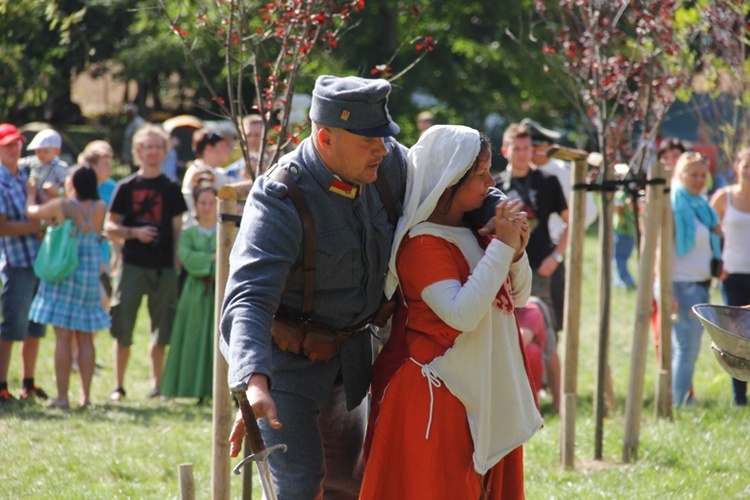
[(9, 133), (17, 270)]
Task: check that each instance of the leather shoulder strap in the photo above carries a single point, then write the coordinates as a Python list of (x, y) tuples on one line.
[(384, 190), (309, 239)]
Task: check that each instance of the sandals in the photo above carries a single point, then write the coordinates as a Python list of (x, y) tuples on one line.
[(117, 394)]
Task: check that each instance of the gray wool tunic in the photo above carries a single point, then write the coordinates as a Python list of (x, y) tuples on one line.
[(354, 242)]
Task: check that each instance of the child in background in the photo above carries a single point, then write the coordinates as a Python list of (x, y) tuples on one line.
[(624, 233), (189, 369), (47, 170)]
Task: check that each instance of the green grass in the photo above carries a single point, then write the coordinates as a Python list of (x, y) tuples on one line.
[(132, 449)]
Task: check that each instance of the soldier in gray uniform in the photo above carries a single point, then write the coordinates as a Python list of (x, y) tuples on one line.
[(321, 404)]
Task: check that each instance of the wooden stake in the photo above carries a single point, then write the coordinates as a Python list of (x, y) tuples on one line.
[(663, 405), (572, 315), (222, 402), (187, 486), (634, 402)]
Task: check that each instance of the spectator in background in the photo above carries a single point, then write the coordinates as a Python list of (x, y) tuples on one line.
[(72, 306), (171, 165), (212, 148), (705, 145), (189, 369), (133, 122), (542, 195), (19, 243), (425, 120), (253, 128), (47, 170), (697, 235), (669, 152), (624, 231), (98, 155), (732, 204), (146, 212)]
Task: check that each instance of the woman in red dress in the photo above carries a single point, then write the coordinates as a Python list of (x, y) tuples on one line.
[(454, 416)]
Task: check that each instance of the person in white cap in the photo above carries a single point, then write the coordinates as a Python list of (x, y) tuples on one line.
[(46, 170)]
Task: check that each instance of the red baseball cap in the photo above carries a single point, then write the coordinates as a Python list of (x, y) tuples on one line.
[(9, 133)]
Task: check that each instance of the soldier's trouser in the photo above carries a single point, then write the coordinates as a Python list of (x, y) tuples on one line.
[(324, 446)]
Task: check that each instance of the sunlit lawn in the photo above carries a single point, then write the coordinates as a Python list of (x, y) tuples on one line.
[(132, 449)]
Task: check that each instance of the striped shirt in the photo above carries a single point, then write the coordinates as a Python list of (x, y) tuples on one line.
[(19, 251)]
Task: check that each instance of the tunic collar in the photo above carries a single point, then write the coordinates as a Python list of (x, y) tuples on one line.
[(322, 175)]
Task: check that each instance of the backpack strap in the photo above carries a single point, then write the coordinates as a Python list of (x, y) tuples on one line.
[(384, 190), (309, 239)]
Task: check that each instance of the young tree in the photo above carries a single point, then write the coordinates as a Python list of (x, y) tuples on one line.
[(623, 63), (264, 47), (723, 84)]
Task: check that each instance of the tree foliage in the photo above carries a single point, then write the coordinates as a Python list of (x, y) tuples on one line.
[(44, 42)]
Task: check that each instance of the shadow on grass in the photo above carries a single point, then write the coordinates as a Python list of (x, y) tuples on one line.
[(141, 412)]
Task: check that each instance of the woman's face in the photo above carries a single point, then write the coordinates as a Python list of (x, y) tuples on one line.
[(694, 178), (472, 192), (103, 168), (205, 206)]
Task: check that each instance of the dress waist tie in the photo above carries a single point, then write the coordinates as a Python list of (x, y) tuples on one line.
[(432, 380)]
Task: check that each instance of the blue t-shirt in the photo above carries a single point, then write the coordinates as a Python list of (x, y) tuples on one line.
[(106, 189)]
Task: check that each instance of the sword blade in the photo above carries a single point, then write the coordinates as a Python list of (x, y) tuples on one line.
[(266, 479)]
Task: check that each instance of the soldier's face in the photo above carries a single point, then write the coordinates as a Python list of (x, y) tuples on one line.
[(355, 158)]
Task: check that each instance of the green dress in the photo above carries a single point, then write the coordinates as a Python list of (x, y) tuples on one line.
[(189, 369)]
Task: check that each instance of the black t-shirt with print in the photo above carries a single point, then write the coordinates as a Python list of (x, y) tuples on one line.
[(148, 202), (542, 195)]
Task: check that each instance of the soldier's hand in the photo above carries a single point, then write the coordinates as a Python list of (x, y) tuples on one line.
[(263, 407)]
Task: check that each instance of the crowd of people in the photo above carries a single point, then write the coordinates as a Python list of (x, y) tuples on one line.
[(473, 265)]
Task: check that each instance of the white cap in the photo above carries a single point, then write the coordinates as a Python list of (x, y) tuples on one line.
[(47, 138)]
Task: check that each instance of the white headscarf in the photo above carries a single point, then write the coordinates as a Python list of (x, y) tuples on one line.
[(443, 154)]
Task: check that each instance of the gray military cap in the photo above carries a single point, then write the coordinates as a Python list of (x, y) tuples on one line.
[(357, 105)]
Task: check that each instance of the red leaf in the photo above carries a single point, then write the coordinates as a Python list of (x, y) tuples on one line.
[(179, 31)]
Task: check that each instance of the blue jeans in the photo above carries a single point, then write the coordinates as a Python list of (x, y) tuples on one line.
[(19, 288), (686, 337), (624, 244), (736, 292)]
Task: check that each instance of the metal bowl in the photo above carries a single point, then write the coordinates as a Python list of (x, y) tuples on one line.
[(729, 328)]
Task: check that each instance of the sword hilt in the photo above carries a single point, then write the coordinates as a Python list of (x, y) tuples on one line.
[(248, 418)]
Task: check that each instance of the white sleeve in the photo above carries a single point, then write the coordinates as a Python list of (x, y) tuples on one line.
[(520, 276), (461, 307)]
